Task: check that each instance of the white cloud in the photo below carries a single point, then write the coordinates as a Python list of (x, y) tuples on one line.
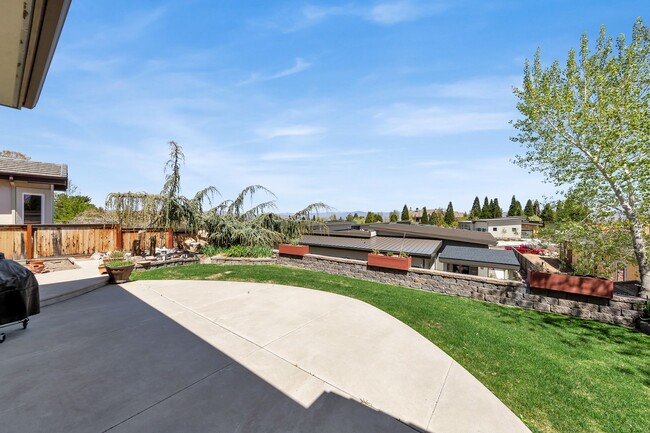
[(287, 156), (412, 121), (384, 13), (476, 88), (299, 66), (290, 131)]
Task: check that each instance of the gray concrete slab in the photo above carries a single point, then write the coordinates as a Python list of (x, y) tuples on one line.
[(63, 285), (216, 356)]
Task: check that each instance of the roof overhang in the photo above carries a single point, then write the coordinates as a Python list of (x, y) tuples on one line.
[(478, 264), (29, 32)]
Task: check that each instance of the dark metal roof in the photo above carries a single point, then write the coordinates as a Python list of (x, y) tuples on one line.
[(413, 247), (431, 232), (484, 256), (33, 171)]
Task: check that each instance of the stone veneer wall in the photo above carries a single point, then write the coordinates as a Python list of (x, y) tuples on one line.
[(621, 310)]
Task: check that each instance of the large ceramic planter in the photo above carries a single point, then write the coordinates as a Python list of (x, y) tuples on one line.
[(589, 286), (390, 262), (293, 250), (119, 274)]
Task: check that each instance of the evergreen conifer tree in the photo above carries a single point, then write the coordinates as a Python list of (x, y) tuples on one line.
[(370, 217), (449, 215), (548, 215), (405, 213), (512, 210), (536, 208), (475, 213), (486, 211), (394, 216), (497, 212), (528, 210), (425, 216)]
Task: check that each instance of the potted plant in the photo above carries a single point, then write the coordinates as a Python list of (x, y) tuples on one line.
[(400, 262), (293, 248), (119, 271)]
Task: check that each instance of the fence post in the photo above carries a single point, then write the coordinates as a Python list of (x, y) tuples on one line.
[(170, 238), (118, 238), (29, 243)]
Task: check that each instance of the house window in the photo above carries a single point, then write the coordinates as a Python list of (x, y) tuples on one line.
[(33, 209), (514, 230), (494, 229)]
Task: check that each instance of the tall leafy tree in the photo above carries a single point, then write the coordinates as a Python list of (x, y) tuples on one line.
[(528, 210), (405, 213), (486, 210), (497, 212), (536, 209), (475, 212), (450, 217), (585, 127), (370, 217), (425, 216), (13, 154)]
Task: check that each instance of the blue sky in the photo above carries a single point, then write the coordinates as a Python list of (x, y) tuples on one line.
[(364, 105)]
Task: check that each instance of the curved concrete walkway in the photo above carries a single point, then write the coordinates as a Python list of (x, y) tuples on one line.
[(170, 356)]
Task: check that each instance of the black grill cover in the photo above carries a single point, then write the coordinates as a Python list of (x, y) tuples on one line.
[(19, 296)]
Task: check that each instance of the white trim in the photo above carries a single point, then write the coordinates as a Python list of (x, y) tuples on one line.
[(22, 204)]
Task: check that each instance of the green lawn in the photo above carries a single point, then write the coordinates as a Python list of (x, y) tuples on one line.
[(559, 374)]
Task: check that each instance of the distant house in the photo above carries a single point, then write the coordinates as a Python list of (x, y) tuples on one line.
[(27, 190), (504, 228), (430, 247)]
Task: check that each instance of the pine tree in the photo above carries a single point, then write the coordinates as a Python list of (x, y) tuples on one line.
[(548, 215), (497, 212), (379, 218), (528, 210), (449, 215), (370, 218), (536, 209), (425, 216), (512, 210), (394, 216), (475, 213), (405, 213), (486, 211)]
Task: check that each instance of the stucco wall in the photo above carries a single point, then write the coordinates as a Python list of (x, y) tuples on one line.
[(6, 216), (34, 188)]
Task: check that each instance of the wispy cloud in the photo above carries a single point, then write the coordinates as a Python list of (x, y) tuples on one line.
[(299, 66), (383, 12), (493, 87), (412, 121), (288, 156), (290, 131)]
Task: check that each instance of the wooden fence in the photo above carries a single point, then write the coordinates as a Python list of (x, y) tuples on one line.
[(59, 240)]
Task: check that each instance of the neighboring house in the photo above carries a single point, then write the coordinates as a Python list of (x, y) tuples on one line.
[(504, 228), (430, 247), (27, 190)]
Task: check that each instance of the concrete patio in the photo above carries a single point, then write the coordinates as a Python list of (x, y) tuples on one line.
[(194, 356)]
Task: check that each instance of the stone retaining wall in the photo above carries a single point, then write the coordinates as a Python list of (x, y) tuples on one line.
[(166, 264), (621, 310), (242, 261)]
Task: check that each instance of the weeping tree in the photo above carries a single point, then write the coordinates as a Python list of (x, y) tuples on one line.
[(231, 223), (167, 210)]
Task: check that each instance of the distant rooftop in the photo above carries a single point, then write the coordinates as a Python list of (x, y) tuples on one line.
[(431, 232), (33, 171), (484, 256), (414, 247)]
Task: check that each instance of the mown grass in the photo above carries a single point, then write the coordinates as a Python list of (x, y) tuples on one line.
[(558, 374)]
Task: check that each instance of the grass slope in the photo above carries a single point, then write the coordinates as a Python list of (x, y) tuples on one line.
[(557, 373)]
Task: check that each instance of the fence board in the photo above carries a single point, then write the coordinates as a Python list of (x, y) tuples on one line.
[(54, 240)]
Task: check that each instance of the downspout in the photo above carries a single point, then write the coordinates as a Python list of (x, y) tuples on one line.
[(13, 199)]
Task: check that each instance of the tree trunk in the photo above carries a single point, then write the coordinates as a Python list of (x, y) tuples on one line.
[(641, 253)]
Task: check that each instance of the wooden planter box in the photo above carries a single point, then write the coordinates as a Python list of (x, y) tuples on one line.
[(572, 284), (294, 250), (391, 262), (119, 274)]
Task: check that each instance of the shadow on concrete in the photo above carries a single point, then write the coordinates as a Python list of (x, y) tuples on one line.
[(107, 361)]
